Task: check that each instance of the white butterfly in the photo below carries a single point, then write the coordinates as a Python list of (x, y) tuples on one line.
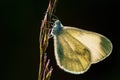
[(76, 49)]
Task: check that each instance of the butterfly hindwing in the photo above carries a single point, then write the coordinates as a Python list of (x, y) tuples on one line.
[(71, 55)]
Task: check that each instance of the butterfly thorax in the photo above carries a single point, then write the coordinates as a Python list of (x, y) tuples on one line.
[(57, 28)]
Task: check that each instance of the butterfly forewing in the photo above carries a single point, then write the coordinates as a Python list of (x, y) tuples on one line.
[(98, 45)]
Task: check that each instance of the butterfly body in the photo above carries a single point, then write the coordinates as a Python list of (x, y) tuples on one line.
[(76, 49), (58, 27)]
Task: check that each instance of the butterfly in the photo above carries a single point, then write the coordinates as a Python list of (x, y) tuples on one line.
[(76, 49)]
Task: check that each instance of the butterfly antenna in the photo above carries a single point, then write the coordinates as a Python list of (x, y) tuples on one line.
[(54, 18)]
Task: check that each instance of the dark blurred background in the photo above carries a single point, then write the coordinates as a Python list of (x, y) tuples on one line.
[(21, 20)]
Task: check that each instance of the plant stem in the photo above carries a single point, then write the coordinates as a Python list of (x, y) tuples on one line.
[(43, 38)]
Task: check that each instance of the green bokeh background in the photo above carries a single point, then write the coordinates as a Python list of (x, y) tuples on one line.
[(21, 20)]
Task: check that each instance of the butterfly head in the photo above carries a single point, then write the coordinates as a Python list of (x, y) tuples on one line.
[(57, 27)]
